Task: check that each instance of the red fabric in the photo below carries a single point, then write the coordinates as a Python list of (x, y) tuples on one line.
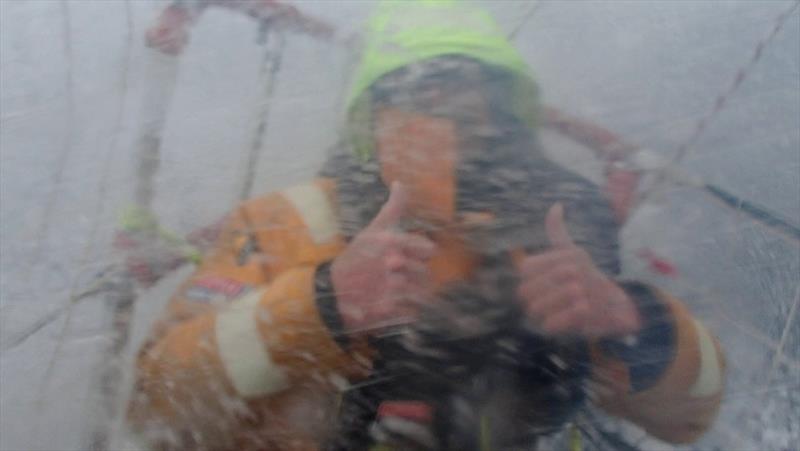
[(418, 411), (658, 264)]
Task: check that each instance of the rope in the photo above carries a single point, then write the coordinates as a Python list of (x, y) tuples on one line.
[(161, 74), (611, 148), (119, 122), (784, 336), (122, 297), (754, 212), (43, 231), (270, 66), (66, 35), (99, 286), (719, 104), (532, 9), (74, 298)]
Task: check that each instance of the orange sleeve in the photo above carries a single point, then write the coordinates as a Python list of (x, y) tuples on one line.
[(682, 403), (242, 359), (208, 378)]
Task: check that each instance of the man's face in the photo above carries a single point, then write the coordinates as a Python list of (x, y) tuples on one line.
[(419, 138), (421, 152)]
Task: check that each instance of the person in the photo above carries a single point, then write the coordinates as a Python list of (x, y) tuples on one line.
[(441, 284)]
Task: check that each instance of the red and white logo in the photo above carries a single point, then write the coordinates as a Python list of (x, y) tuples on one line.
[(214, 287)]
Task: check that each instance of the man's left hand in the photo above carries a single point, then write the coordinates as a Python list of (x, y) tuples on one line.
[(565, 294)]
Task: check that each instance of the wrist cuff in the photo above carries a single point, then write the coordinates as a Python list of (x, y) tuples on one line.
[(649, 353), (327, 305)]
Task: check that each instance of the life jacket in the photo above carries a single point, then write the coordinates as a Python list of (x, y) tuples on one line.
[(244, 335)]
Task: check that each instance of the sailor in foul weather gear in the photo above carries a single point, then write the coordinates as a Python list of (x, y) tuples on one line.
[(441, 285)]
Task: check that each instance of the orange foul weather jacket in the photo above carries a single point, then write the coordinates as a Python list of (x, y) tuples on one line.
[(244, 360)]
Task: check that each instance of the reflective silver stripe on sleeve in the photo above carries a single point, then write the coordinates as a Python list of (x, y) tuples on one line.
[(244, 354), (312, 203), (709, 380)]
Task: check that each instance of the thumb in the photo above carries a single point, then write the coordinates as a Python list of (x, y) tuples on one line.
[(556, 228), (394, 208)]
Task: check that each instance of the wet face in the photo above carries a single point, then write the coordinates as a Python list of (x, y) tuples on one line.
[(419, 128), (420, 151), (448, 132)]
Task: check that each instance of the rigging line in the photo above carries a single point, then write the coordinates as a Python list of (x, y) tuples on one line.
[(754, 212), (784, 336), (87, 249), (99, 286), (160, 77), (43, 231), (755, 334), (611, 147), (119, 123), (270, 66), (66, 36), (120, 302), (532, 9), (719, 105)]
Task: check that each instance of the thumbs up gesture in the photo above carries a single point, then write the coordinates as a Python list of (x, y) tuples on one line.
[(382, 276), (565, 294)]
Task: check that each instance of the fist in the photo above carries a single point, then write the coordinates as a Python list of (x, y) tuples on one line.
[(382, 276), (564, 293)]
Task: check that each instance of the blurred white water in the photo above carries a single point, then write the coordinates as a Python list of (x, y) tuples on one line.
[(72, 79)]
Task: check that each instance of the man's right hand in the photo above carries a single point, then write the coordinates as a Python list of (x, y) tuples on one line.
[(382, 276)]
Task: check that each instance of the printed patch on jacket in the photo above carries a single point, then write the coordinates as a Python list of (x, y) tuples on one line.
[(212, 288)]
